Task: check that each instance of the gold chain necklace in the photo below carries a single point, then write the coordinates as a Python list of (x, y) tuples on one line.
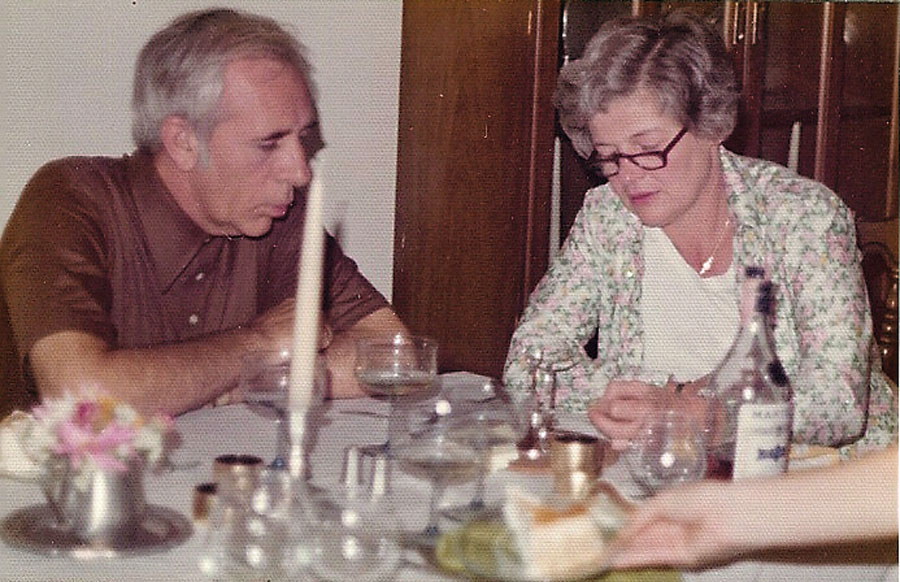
[(708, 263)]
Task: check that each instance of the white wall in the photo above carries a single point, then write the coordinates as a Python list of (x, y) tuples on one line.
[(66, 88)]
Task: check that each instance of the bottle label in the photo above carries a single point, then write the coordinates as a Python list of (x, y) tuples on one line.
[(763, 440)]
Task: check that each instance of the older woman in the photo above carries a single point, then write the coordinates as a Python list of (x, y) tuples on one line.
[(656, 256)]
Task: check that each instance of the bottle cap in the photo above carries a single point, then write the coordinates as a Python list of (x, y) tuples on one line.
[(765, 298), (204, 501), (754, 272)]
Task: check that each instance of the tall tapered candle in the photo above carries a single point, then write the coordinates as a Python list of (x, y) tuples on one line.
[(306, 324), (794, 147)]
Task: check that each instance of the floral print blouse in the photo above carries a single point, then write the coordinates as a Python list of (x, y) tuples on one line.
[(805, 238)]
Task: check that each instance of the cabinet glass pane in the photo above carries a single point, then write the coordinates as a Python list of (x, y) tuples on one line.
[(870, 31), (792, 57)]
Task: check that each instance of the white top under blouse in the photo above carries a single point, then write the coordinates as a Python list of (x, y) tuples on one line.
[(689, 322)]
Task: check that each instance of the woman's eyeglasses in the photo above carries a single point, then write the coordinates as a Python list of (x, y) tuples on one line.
[(609, 167)]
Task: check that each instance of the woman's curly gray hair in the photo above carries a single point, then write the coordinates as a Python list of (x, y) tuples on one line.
[(679, 56)]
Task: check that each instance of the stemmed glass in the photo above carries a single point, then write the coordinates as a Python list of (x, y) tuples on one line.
[(263, 385), (428, 449), (486, 423), (395, 367)]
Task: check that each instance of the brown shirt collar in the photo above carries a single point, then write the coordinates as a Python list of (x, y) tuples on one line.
[(172, 237)]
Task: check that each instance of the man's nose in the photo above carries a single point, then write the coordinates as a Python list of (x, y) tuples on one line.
[(295, 164)]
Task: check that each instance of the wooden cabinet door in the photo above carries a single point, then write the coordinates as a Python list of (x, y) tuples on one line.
[(473, 171)]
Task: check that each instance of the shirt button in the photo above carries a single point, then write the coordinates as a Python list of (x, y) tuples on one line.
[(199, 276), (193, 319)]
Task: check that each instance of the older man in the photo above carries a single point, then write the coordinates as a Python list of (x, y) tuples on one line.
[(149, 276)]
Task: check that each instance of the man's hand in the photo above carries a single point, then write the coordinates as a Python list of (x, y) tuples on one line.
[(275, 327)]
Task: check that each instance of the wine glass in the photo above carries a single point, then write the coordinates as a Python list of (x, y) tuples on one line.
[(670, 449), (263, 385), (428, 449), (395, 367)]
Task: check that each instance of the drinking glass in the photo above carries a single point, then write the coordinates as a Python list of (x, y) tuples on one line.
[(263, 384), (394, 368), (670, 449), (258, 531), (355, 532), (545, 366), (489, 423), (427, 449)]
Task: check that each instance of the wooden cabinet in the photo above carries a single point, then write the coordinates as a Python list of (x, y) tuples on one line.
[(475, 157), (825, 75)]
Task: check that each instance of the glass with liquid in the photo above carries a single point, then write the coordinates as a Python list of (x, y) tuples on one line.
[(394, 368)]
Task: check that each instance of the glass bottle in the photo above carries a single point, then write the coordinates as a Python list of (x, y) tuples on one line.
[(750, 414)]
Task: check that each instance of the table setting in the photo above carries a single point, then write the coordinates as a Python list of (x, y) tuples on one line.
[(341, 426)]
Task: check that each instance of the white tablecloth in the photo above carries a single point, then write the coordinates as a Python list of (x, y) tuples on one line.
[(211, 432)]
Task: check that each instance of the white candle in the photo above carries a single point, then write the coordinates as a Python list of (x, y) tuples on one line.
[(794, 147), (306, 324)]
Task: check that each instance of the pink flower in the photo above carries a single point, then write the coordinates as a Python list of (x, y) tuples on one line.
[(85, 414), (95, 433), (78, 441)]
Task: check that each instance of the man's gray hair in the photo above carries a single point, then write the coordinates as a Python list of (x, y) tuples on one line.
[(180, 71), (679, 57)]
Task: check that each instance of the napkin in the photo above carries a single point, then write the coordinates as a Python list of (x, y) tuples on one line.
[(562, 540), (13, 460)]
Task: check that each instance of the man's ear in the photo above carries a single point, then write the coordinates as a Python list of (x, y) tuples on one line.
[(180, 142)]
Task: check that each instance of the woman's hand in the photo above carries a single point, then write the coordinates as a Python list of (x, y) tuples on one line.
[(623, 409)]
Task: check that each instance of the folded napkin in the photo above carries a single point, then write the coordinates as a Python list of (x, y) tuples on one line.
[(13, 460)]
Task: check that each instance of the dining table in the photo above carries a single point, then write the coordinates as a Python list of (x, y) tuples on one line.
[(333, 426)]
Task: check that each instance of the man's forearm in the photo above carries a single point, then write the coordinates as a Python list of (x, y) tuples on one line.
[(171, 378)]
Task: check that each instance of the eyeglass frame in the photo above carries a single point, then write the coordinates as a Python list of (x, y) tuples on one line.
[(596, 162)]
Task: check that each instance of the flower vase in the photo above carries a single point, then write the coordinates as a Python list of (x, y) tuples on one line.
[(99, 504)]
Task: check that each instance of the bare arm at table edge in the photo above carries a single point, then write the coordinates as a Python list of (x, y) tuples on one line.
[(712, 521), (341, 354)]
